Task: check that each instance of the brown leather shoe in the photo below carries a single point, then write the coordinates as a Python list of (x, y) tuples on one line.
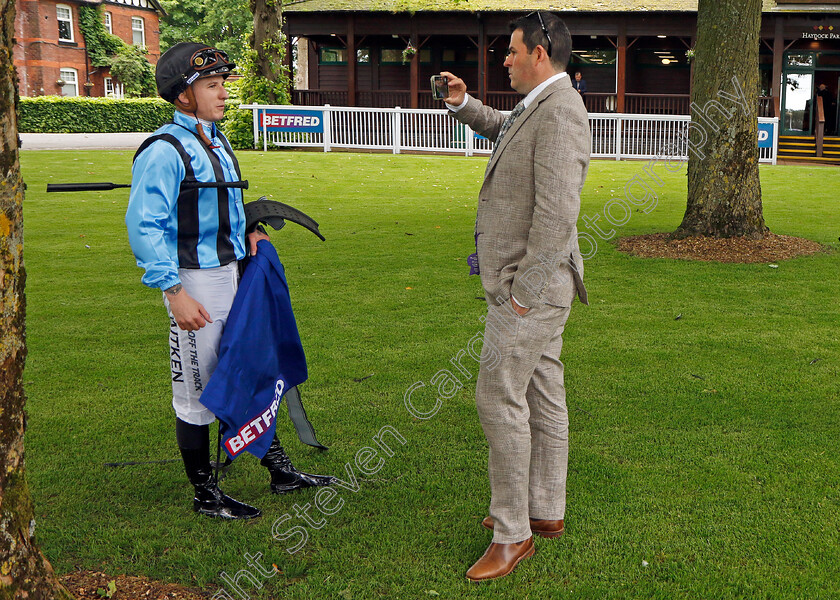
[(547, 529), (500, 559), (541, 527)]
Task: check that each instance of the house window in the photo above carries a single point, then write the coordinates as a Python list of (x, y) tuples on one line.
[(460, 57), (71, 82), (109, 87), (65, 22), (138, 32), (108, 25), (800, 59), (332, 56)]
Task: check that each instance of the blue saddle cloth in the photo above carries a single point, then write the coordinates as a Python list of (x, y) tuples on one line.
[(260, 357)]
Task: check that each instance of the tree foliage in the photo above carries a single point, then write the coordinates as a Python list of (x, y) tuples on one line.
[(131, 68), (267, 49), (265, 79), (224, 24)]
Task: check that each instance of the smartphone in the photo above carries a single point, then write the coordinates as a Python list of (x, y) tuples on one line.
[(440, 87)]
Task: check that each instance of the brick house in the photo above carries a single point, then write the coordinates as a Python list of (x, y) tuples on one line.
[(50, 47)]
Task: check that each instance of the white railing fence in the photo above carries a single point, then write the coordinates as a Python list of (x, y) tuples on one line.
[(617, 136), (115, 90)]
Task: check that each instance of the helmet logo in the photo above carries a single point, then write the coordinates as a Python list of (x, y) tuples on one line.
[(198, 61), (192, 78)]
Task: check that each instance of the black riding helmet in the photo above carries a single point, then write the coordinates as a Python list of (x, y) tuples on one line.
[(185, 62)]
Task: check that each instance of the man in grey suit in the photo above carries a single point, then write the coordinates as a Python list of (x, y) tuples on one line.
[(531, 269)]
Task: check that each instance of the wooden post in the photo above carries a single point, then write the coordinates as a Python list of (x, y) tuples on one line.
[(482, 61), (621, 68), (778, 55), (351, 60), (415, 65), (375, 52), (314, 79), (691, 73), (819, 130)]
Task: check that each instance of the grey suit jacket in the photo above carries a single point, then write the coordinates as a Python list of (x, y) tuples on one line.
[(526, 226)]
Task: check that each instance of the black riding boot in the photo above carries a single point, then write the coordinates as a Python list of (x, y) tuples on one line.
[(284, 476), (194, 443)]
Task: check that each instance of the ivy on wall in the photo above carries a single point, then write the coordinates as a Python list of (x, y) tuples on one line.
[(101, 45), (127, 63)]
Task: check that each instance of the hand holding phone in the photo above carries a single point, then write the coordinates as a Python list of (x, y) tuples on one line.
[(455, 89), (440, 87)]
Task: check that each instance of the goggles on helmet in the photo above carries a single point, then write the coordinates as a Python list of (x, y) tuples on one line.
[(207, 58), (208, 62)]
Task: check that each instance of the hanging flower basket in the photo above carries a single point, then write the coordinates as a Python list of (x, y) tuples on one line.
[(60, 82), (408, 53)]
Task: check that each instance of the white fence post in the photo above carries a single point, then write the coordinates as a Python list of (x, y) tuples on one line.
[(255, 119), (265, 132), (327, 128), (396, 129), (470, 141), (618, 137)]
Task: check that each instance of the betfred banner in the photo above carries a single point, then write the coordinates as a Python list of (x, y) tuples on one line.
[(308, 121), (765, 135)]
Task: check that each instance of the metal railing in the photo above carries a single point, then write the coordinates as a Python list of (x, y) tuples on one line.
[(765, 106), (370, 98), (318, 97), (503, 100), (599, 102), (616, 136), (657, 104)]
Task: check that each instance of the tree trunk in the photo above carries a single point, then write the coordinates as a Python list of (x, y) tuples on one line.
[(724, 191), (267, 42), (24, 572)]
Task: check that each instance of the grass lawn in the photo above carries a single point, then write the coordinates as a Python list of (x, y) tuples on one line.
[(701, 466)]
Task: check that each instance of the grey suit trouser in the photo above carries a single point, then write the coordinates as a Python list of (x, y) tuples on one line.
[(521, 404)]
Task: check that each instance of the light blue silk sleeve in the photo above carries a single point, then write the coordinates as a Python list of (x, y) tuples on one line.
[(152, 215)]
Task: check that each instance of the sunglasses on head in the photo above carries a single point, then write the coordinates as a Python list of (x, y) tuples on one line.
[(544, 30), (207, 58)]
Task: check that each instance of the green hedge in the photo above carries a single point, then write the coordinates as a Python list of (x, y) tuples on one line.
[(56, 114), (238, 126)]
